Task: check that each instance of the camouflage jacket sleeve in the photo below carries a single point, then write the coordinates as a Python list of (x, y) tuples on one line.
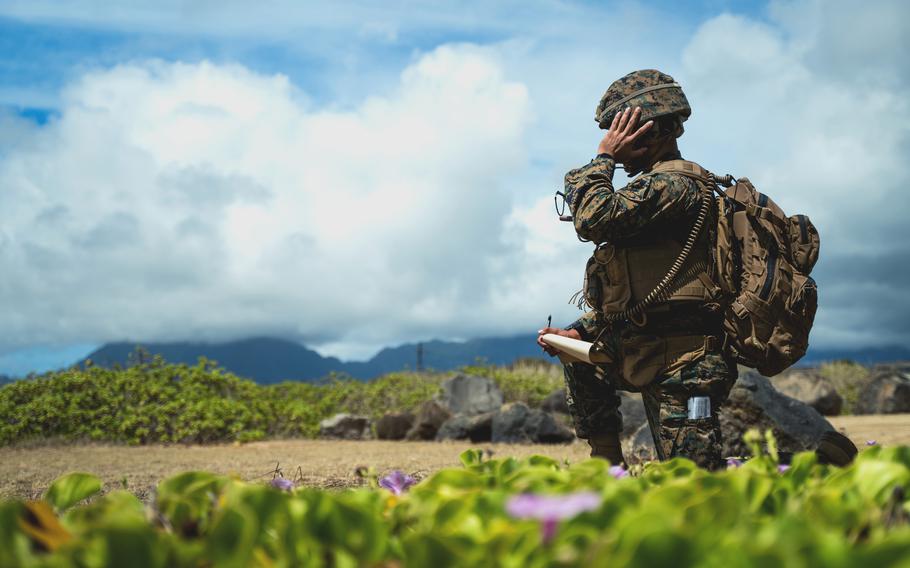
[(588, 325), (603, 214)]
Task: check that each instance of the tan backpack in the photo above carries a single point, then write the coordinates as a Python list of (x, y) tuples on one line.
[(762, 261)]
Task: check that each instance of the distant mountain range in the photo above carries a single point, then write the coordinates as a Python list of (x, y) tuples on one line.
[(269, 360)]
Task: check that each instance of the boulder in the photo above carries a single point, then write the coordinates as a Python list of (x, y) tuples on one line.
[(631, 407), (516, 423), (888, 392), (430, 416), (509, 423), (543, 428), (455, 428), (480, 428), (633, 413), (556, 402), (470, 395), (896, 367), (394, 426), (810, 387), (345, 427), (754, 403), (638, 447), (461, 427)]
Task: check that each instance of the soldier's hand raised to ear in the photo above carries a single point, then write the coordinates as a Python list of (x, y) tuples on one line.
[(620, 139)]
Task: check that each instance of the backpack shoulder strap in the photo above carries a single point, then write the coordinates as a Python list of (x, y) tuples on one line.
[(686, 168), (694, 171)]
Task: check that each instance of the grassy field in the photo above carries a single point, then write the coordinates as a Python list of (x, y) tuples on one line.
[(26, 472)]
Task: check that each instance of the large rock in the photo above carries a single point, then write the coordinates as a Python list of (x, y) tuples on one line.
[(556, 402), (480, 428), (455, 428), (461, 427), (430, 416), (633, 413), (888, 392), (516, 423), (394, 426), (470, 395), (638, 447), (902, 367), (345, 427), (810, 387), (631, 407), (754, 403)]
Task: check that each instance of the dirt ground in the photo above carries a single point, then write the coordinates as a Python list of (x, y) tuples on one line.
[(26, 472)]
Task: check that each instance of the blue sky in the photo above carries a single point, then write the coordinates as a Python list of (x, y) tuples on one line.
[(41, 52), (177, 171)]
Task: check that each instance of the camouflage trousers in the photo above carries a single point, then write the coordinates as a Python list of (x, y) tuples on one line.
[(594, 405)]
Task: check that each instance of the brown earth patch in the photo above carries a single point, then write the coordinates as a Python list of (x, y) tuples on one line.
[(26, 472)]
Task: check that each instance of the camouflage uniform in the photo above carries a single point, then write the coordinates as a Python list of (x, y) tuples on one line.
[(665, 204)]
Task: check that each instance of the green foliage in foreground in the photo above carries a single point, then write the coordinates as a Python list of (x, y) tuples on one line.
[(669, 514), (159, 402)]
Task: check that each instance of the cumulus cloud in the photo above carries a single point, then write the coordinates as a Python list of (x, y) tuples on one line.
[(820, 123), (175, 201)]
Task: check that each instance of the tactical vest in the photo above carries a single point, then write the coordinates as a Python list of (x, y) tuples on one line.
[(634, 281), (620, 278)]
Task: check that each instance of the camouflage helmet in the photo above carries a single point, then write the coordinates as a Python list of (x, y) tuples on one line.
[(656, 93)]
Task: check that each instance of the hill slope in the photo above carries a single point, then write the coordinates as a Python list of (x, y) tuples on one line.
[(268, 360)]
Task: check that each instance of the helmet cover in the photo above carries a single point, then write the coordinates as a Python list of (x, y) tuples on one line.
[(656, 93)]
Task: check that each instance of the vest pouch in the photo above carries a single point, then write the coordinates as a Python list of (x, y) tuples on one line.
[(649, 357), (648, 265), (607, 280)]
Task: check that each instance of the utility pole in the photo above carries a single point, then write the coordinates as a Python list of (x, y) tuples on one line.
[(419, 357)]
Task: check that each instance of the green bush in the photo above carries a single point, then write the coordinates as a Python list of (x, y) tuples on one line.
[(152, 401), (848, 379), (665, 514), (528, 380)]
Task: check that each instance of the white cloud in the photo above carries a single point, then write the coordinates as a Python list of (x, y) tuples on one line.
[(821, 138), (175, 201)]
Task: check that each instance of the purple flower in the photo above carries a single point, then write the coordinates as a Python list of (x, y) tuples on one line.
[(871, 443), (733, 463), (550, 509), (282, 484), (618, 471), (782, 468), (397, 482)]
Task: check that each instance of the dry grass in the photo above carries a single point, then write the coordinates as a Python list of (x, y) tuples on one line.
[(26, 472), (886, 429)]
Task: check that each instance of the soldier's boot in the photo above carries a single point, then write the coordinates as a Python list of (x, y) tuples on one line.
[(608, 447), (836, 449)]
